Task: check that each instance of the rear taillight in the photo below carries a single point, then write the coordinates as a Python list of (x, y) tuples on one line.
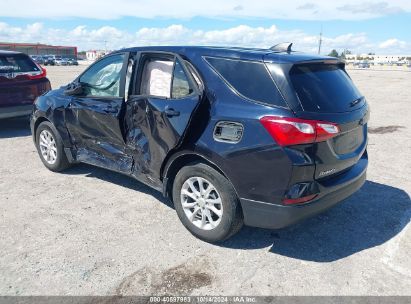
[(37, 75), (295, 131)]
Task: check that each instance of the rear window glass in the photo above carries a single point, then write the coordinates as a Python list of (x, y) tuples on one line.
[(17, 64), (324, 88), (248, 78)]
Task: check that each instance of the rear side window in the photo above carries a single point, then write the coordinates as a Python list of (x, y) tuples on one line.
[(164, 78), (250, 79), (324, 88), (17, 64), (181, 86)]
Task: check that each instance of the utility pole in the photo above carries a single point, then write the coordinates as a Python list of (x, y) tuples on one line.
[(320, 41)]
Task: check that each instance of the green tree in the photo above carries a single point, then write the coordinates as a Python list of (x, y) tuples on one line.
[(333, 53)]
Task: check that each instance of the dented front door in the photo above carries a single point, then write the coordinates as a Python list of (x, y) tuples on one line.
[(94, 119)]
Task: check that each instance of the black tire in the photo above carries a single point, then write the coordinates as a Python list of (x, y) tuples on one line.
[(231, 219), (61, 162)]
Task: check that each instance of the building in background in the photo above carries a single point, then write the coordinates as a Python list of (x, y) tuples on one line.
[(40, 49), (378, 59), (93, 55)]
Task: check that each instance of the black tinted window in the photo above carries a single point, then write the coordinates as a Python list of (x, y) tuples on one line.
[(17, 64), (324, 88), (250, 79)]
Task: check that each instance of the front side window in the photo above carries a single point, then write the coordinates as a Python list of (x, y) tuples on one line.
[(249, 78), (103, 78)]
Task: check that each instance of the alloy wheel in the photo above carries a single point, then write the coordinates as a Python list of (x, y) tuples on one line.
[(201, 203), (48, 147)]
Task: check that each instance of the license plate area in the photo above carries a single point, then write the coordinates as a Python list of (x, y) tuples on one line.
[(349, 141)]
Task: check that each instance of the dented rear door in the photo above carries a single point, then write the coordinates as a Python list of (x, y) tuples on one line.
[(156, 124)]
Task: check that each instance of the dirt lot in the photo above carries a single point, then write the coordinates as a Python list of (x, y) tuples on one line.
[(88, 231)]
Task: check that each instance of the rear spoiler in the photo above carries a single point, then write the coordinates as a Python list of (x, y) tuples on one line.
[(325, 60), (338, 62)]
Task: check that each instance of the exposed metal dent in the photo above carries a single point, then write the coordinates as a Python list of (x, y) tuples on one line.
[(120, 163)]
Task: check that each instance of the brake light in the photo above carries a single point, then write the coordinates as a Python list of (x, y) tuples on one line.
[(289, 131), (37, 75)]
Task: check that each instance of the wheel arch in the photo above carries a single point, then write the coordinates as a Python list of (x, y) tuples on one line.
[(67, 150), (38, 121), (179, 160)]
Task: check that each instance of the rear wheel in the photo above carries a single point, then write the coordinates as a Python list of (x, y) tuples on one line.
[(50, 148), (206, 203)]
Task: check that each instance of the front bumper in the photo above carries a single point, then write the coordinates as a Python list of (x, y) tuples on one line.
[(15, 111), (332, 191)]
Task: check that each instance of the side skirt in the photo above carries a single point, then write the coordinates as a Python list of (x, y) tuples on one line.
[(121, 164)]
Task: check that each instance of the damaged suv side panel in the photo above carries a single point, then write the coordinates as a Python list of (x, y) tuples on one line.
[(220, 131), (156, 125), (132, 136)]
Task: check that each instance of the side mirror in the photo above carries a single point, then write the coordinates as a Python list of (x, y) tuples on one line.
[(74, 88)]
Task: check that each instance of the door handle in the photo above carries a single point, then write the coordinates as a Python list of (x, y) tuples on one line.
[(110, 110), (171, 112)]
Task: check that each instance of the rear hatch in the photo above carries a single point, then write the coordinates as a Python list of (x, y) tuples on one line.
[(21, 80), (322, 90)]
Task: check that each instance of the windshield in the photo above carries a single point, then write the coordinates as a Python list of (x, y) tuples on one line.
[(324, 88)]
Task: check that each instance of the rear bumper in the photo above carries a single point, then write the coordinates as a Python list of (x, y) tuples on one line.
[(15, 111), (272, 216)]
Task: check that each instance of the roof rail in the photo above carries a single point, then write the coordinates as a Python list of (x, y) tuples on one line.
[(282, 47)]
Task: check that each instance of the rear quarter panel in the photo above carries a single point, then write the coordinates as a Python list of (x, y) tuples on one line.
[(257, 167)]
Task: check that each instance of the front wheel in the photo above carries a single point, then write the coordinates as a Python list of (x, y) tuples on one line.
[(50, 148), (206, 203)]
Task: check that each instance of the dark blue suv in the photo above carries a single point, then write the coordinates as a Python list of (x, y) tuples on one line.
[(264, 137)]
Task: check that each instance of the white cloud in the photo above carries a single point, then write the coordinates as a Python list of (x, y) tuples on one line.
[(243, 35), (377, 8), (324, 9), (307, 6), (393, 43)]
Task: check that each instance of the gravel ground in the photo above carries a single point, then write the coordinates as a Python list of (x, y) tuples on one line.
[(89, 231)]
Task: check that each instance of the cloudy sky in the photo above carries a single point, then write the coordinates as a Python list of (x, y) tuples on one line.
[(360, 26)]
